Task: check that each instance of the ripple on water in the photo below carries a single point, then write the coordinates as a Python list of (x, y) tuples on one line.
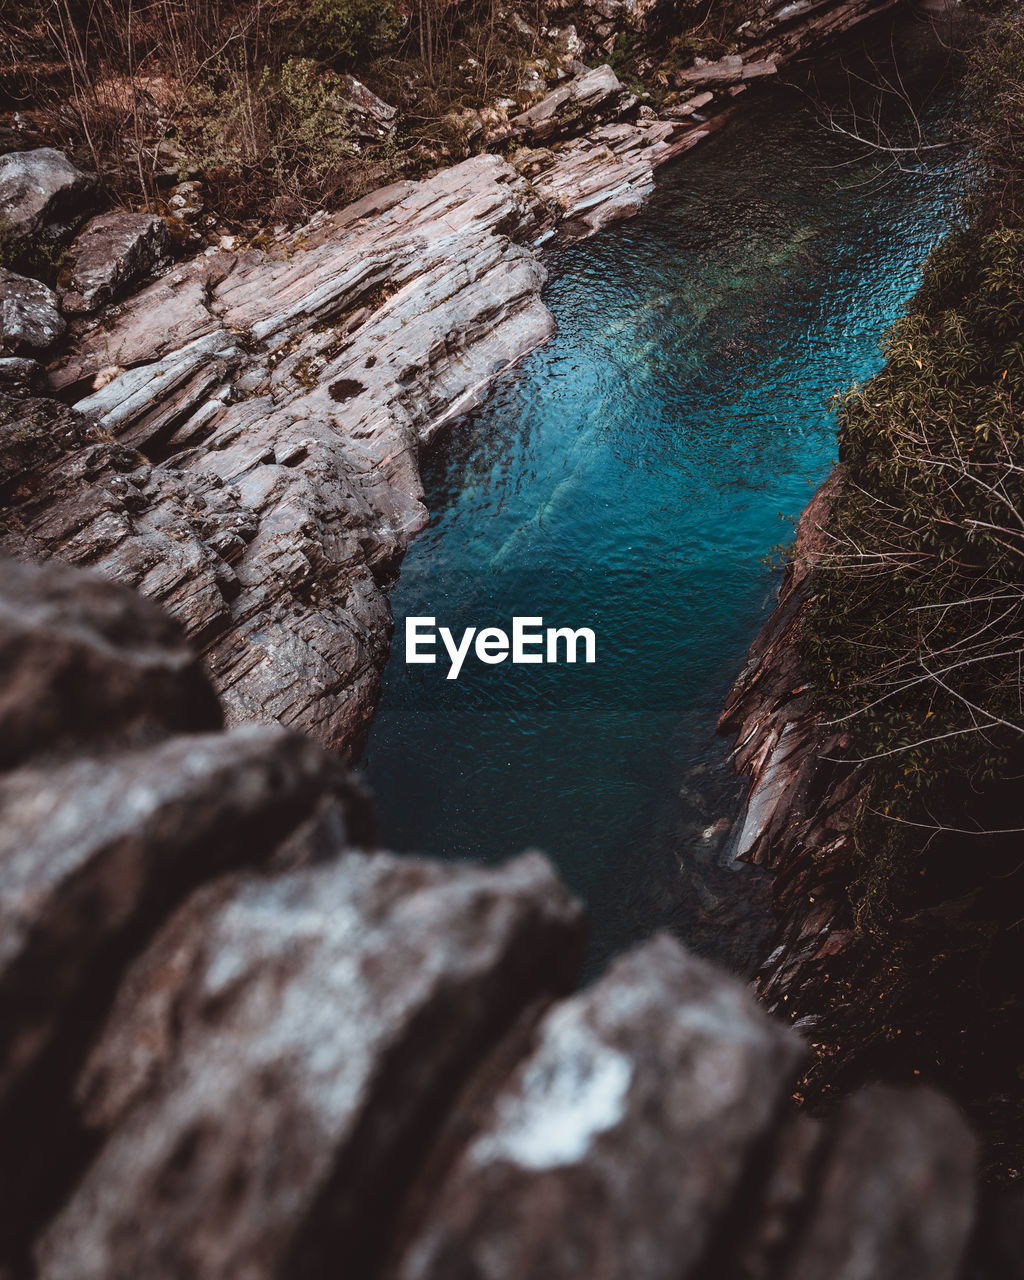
[(630, 476)]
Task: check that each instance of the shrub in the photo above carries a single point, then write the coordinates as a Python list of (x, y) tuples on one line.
[(916, 634), (261, 136), (339, 30)]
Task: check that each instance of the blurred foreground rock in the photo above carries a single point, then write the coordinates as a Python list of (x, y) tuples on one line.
[(239, 1041)]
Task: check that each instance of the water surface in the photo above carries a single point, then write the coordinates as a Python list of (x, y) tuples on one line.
[(631, 476)]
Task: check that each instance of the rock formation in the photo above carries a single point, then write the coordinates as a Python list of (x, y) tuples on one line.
[(238, 1040), (246, 430), (803, 797), (30, 321), (240, 439), (43, 193)]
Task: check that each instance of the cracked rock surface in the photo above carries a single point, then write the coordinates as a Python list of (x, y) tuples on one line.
[(240, 440), (42, 191), (110, 253)]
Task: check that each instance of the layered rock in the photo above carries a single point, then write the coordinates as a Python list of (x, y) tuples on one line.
[(572, 108), (245, 434), (803, 797), (341, 1002), (240, 1041), (245, 440), (610, 173)]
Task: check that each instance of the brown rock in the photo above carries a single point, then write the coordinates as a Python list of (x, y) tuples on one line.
[(277, 1063), (20, 374), (86, 662), (618, 1144), (897, 1193), (572, 107), (91, 849), (109, 254)]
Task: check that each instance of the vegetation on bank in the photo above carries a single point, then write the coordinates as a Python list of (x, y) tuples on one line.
[(252, 97), (917, 630), (915, 645)]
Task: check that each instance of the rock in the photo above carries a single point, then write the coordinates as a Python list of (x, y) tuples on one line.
[(345, 1003), (235, 1043), (89, 849), (609, 173), (18, 373), (573, 106), (731, 70), (253, 420), (568, 37), (85, 662), (42, 191), (93, 854), (689, 107), (284, 399), (246, 443), (896, 1192), (597, 1159), (30, 322), (520, 25), (378, 117), (112, 252)]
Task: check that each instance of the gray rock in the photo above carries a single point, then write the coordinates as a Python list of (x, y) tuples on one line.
[(618, 1144), (42, 190), (275, 1067), (571, 107), (285, 401), (87, 663), (110, 253), (30, 321), (19, 373), (90, 848), (897, 1192), (609, 173), (378, 118)]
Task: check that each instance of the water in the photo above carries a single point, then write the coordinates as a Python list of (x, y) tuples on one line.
[(631, 476)]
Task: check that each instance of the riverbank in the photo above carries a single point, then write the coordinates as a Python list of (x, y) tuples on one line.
[(877, 717), (241, 438)]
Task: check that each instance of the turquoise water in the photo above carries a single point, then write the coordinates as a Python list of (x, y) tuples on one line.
[(631, 476)]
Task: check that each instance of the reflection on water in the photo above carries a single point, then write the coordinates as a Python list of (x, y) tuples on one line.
[(630, 476)]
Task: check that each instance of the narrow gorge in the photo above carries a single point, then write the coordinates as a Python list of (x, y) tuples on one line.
[(281, 992)]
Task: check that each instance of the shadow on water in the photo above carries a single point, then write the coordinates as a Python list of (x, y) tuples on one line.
[(630, 476)]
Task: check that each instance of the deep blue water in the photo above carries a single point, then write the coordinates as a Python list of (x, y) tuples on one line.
[(631, 476)]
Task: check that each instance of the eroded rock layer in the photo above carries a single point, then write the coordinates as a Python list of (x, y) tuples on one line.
[(240, 440), (246, 431)]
